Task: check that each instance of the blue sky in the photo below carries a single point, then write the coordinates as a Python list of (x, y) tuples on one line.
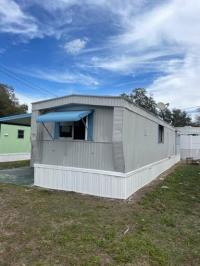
[(104, 47)]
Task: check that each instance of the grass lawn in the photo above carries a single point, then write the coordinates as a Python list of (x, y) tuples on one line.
[(9, 165), (41, 227)]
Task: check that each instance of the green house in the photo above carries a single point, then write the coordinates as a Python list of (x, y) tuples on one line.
[(15, 142)]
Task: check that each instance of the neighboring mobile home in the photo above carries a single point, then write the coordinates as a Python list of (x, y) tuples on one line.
[(189, 142), (15, 144), (98, 145)]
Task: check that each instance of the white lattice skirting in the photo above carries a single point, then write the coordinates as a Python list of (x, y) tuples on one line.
[(11, 157), (97, 182)]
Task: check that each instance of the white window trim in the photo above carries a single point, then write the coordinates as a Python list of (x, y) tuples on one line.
[(161, 138), (86, 128), (68, 138)]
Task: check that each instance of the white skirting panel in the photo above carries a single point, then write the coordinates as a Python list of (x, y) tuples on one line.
[(98, 182), (144, 175), (11, 157)]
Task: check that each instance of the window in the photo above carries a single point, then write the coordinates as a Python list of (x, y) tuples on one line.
[(76, 130), (79, 129), (65, 130), (20, 134), (160, 134)]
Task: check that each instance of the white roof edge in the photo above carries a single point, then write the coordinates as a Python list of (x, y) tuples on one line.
[(78, 95)]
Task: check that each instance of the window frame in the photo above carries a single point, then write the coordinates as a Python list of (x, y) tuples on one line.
[(72, 138), (18, 134), (68, 124), (161, 134)]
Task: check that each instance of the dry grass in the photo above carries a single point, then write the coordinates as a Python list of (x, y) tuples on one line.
[(41, 227)]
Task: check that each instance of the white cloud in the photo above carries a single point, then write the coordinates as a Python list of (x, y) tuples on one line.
[(73, 78), (62, 12), (15, 15), (127, 64), (14, 20), (173, 23), (172, 26), (63, 77), (75, 46), (120, 7), (155, 36), (180, 87), (27, 99)]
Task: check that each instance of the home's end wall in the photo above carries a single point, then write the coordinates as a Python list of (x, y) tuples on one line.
[(9, 141), (96, 154), (140, 141)]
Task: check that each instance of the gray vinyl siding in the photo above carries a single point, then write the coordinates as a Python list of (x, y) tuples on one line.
[(102, 125), (125, 137), (78, 99), (96, 154), (118, 154), (95, 101), (140, 139)]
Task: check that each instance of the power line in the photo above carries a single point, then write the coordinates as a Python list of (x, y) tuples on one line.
[(12, 75), (191, 107), (25, 82)]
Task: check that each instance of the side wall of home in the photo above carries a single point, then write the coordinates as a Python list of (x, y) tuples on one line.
[(140, 141)]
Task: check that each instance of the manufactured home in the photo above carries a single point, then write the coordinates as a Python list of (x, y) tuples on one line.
[(15, 144), (99, 145), (189, 142)]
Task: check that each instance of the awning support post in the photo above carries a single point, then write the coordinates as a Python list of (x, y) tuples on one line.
[(84, 123), (47, 131)]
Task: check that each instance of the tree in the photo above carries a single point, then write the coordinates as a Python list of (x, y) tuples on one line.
[(166, 115), (197, 118), (180, 118), (140, 98), (9, 104), (197, 121), (176, 117)]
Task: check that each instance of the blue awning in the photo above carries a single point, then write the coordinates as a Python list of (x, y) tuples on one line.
[(21, 119), (68, 116)]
